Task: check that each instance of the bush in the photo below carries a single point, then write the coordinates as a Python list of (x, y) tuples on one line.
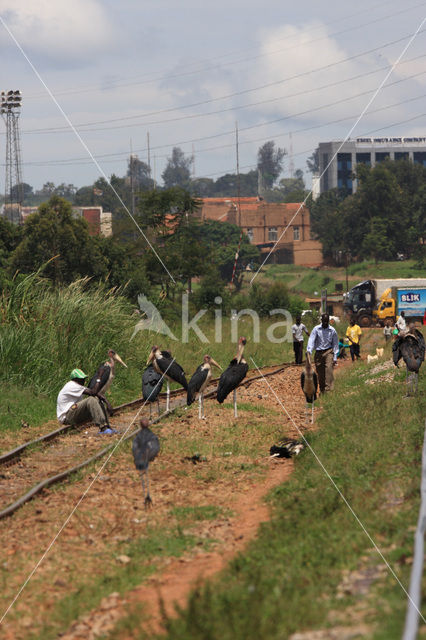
[(211, 287)]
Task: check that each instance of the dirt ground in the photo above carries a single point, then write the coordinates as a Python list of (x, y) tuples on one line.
[(112, 514)]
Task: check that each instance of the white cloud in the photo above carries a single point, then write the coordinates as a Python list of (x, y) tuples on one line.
[(59, 30)]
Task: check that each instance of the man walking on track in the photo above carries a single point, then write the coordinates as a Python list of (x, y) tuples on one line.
[(297, 331), (325, 342), (354, 333)]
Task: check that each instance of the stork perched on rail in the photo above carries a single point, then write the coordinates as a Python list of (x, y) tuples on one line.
[(410, 345), (164, 363), (199, 382), (145, 448), (309, 383), (103, 377), (152, 383), (233, 376)]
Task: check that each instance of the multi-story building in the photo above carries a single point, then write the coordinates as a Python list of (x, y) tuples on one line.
[(284, 228), (337, 161)]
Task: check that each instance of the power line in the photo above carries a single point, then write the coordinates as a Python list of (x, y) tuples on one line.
[(224, 97), (160, 75), (252, 141)]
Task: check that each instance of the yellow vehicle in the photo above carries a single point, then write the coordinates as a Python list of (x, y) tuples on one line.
[(385, 308), (411, 300)]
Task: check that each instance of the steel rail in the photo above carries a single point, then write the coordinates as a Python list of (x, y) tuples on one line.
[(12, 508), (17, 451)]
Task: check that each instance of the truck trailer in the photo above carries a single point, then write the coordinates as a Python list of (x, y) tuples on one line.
[(375, 301)]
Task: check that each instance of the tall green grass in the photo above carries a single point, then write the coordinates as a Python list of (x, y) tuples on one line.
[(45, 332)]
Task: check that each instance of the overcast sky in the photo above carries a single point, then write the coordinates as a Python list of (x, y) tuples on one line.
[(298, 73)]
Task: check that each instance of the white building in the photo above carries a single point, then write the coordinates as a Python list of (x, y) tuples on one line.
[(337, 161)]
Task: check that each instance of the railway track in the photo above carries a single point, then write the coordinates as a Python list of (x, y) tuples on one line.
[(23, 469)]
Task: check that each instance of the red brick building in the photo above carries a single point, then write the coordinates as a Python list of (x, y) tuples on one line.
[(99, 221), (265, 223)]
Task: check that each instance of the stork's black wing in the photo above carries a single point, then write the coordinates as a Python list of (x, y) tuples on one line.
[(152, 383), (413, 352), (230, 379), (102, 375), (195, 384), (173, 370), (145, 447), (396, 351)]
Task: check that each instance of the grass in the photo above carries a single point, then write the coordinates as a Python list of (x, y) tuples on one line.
[(370, 441), (144, 555), (396, 269)]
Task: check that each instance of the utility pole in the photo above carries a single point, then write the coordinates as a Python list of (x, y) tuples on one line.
[(10, 109), (149, 152)]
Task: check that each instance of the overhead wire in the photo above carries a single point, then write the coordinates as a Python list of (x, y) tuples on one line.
[(162, 77), (258, 125), (230, 95)]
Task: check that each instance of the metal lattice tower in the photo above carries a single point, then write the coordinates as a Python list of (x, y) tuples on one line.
[(10, 109)]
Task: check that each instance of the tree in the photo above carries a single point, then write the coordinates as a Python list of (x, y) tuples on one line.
[(313, 161), (10, 235), (48, 189), (177, 172), (52, 233), (125, 267), (376, 242), (139, 174), (23, 189), (222, 239), (230, 185), (270, 163), (203, 187), (66, 191)]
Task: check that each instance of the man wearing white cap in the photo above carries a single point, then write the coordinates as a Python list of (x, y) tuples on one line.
[(73, 408)]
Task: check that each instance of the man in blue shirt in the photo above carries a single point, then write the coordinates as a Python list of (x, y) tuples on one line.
[(325, 342)]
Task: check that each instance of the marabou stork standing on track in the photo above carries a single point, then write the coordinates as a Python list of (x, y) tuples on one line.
[(101, 381), (309, 382), (152, 383), (233, 376), (164, 363), (199, 382), (410, 345), (145, 448)]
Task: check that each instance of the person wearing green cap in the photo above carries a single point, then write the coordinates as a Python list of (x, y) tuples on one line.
[(73, 407)]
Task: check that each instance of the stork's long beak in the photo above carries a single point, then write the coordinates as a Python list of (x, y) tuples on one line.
[(118, 359), (150, 358), (215, 364)]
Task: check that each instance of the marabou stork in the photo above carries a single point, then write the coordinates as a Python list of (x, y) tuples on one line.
[(145, 448), (164, 363), (152, 383), (410, 345), (199, 382), (309, 383), (232, 376), (103, 378)]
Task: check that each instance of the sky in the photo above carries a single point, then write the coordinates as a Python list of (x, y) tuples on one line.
[(99, 77)]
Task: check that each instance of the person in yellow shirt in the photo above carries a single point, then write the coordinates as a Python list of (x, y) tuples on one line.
[(354, 333)]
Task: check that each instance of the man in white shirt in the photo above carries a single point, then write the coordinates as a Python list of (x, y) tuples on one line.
[(73, 408), (325, 342), (297, 331), (401, 325)]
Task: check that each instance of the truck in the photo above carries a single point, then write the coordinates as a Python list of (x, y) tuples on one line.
[(375, 301)]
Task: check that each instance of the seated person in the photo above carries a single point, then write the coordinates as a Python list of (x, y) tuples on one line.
[(343, 345), (76, 404)]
